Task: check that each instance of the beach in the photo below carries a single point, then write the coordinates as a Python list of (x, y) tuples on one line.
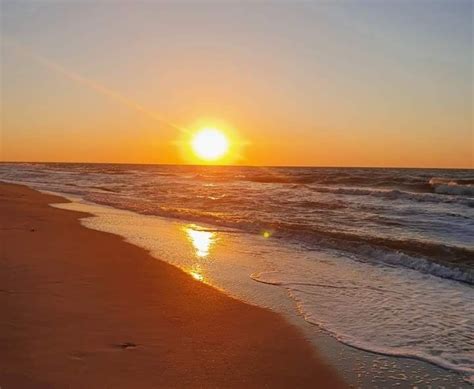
[(375, 301), (83, 308)]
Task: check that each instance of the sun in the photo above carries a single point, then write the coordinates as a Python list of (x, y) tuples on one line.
[(210, 144)]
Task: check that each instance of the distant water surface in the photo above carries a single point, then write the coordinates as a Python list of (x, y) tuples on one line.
[(381, 258)]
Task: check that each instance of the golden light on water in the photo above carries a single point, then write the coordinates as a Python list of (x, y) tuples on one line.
[(197, 276), (201, 240), (210, 144), (196, 272)]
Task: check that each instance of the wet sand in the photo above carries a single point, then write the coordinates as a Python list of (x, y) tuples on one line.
[(82, 308)]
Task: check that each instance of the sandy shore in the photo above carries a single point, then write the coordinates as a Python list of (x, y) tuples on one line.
[(82, 308)]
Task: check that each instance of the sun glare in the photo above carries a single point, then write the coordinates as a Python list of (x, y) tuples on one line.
[(210, 144), (201, 240)]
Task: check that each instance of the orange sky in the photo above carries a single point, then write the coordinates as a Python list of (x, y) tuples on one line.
[(334, 85)]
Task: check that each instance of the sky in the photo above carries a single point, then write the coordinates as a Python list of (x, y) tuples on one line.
[(314, 83)]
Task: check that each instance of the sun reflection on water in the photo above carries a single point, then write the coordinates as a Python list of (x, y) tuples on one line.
[(196, 275), (202, 242), (200, 239)]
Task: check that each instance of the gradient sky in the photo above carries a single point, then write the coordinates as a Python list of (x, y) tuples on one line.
[(334, 83)]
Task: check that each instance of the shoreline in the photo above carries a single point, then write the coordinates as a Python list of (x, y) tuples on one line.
[(85, 308), (356, 364), (358, 367)]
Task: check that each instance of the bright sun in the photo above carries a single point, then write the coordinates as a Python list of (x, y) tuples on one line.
[(210, 144)]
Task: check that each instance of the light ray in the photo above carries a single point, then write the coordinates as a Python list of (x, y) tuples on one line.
[(92, 84)]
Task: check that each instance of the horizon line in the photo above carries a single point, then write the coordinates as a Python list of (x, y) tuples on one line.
[(230, 165)]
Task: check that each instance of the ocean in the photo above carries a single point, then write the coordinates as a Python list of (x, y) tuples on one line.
[(381, 259)]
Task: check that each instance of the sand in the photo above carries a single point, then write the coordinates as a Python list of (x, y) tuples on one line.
[(82, 308)]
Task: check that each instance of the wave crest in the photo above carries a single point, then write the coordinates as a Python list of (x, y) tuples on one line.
[(452, 187)]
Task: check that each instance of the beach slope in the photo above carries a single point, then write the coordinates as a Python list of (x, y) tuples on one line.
[(82, 308)]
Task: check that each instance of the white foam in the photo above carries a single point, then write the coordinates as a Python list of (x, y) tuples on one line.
[(387, 310), (395, 194), (451, 187)]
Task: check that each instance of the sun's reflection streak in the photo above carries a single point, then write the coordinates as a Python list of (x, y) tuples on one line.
[(202, 242), (196, 272), (200, 239)]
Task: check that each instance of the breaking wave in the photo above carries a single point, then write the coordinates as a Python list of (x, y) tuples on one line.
[(453, 187), (402, 195)]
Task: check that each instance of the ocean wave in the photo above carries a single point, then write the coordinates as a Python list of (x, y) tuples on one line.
[(449, 270), (319, 205), (394, 195), (105, 189), (279, 179), (365, 178), (433, 258), (453, 187)]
